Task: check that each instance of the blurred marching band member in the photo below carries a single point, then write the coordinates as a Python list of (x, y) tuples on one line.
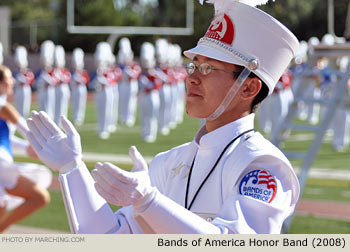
[(328, 78), (118, 75), (162, 53), (64, 78), (24, 80), (149, 101), (180, 78), (103, 84), (80, 80), (173, 86), (281, 98), (341, 120), (128, 87), (299, 72), (47, 80), (22, 185)]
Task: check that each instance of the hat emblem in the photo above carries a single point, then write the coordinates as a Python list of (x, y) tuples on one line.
[(221, 28)]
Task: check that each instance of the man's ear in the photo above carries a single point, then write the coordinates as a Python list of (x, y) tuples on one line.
[(251, 88)]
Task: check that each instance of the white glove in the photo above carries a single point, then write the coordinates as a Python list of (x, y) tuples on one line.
[(120, 187), (57, 150)]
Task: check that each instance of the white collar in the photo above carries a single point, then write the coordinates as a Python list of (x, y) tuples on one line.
[(225, 133)]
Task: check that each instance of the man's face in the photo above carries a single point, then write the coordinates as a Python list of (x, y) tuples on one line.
[(206, 92)]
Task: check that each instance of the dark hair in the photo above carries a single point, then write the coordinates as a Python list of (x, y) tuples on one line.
[(2, 71), (264, 91)]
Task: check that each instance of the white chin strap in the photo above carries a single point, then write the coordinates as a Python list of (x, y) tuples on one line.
[(230, 95)]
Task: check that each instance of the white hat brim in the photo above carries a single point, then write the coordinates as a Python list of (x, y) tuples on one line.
[(213, 53)]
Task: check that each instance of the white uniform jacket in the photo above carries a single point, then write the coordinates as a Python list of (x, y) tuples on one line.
[(252, 189)]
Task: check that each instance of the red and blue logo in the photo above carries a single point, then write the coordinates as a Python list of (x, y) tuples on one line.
[(258, 184)]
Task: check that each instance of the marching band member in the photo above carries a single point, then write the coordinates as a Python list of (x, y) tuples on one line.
[(79, 83), (149, 101), (47, 80), (281, 98), (162, 54), (214, 184), (180, 78), (103, 85), (117, 77), (64, 77), (24, 80), (128, 87)]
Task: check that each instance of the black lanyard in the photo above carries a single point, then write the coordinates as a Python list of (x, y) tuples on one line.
[(211, 171)]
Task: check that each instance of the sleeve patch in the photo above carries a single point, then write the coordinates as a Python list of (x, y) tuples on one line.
[(258, 184)]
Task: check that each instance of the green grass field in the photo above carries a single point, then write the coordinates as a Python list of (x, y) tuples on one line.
[(53, 216)]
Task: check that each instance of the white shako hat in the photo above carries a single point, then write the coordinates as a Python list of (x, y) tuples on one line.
[(125, 54), (244, 35), (147, 55), (47, 51), (78, 58), (103, 54), (60, 56), (21, 58)]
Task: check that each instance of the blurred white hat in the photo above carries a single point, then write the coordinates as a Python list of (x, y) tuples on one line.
[(301, 54), (162, 51), (125, 53), (21, 59), (60, 58), (244, 35), (78, 58), (103, 54), (47, 51), (147, 55)]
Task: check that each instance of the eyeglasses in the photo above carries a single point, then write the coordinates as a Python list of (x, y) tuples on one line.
[(206, 69)]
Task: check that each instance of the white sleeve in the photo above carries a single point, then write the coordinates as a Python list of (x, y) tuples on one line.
[(262, 198), (239, 213), (86, 210), (18, 143)]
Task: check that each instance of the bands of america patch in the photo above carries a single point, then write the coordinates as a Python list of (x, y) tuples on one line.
[(258, 184)]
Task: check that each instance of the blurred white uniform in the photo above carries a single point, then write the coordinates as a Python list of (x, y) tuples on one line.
[(128, 86), (280, 100), (162, 54), (341, 129), (47, 80), (180, 79), (118, 76), (62, 90), (80, 80), (103, 85), (149, 85), (24, 80)]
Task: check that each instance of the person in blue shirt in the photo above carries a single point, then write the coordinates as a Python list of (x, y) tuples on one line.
[(22, 185)]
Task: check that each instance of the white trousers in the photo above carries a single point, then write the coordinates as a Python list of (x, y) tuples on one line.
[(128, 101), (62, 101), (23, 97), (79, 96), (104, 105), (149, 111), (46, 96), (164, 109)]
